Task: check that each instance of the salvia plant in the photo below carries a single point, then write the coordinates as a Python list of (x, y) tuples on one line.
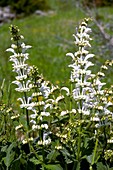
[(52, 127)]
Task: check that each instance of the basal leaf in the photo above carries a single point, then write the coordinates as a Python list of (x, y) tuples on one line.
[(9, 155), (53, 167), (9, 158)]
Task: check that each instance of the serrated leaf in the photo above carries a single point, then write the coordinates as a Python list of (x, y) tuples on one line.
[(100, 166), (67, 156), (8, 159), (53, 167), (52, 155), (9, 155), (35, 161), (4, 148)]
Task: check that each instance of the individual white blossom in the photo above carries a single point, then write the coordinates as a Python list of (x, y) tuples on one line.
[(45, 126), (64, 112), (27, 140), (22, 86), (45, 89), (19, 127), (66, 89), (45, 114)]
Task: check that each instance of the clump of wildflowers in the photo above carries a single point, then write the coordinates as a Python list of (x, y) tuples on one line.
[(67, 121), (89, 105), (36, 100)]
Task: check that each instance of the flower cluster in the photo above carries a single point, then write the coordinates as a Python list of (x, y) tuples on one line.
[(81, 76), (37, 100), (87, 91), (26, 85), (19, 58)]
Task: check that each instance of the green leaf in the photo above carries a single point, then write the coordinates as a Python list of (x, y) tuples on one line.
[(100, 166), (9, 155), (35, 161), (52, 155), (8, 159), (53, 167), (16, 163), (89, 158), (4, 148), (67, 156)]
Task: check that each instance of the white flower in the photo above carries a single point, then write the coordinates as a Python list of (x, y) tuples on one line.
[(19, 66), (33, 116), (77, 39), (58, 147), (18, 127), (14, 46), (45, 114), (87, 30), (101, 74), (27, 140), (88, 64), (22, 87), (11, 50), (73, 111), (95, 119), (48, 105), (26, 104), (21, 77), (47, 141), (40, 142), (34, 127), (89, 56), (66, 89), (45, 126), (71, 55), (64, 113), (14, 117), (59, 98), (110, 141), (25, 47), (99, 84), (33, 122), (45, 90)]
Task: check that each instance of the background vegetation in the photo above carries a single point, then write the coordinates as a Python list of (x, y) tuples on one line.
[(50, 37)]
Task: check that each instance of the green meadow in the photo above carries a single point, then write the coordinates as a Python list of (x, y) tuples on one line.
[(51, 38)]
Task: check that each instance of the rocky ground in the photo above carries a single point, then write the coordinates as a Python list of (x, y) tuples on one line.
[(6, 15)]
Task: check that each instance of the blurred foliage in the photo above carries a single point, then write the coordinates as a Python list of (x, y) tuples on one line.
[(98, 3), (25, 6)]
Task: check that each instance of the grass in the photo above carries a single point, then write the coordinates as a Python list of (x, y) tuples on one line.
[(50, 37)]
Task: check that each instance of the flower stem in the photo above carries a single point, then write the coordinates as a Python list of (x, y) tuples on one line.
[(27, 114)]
